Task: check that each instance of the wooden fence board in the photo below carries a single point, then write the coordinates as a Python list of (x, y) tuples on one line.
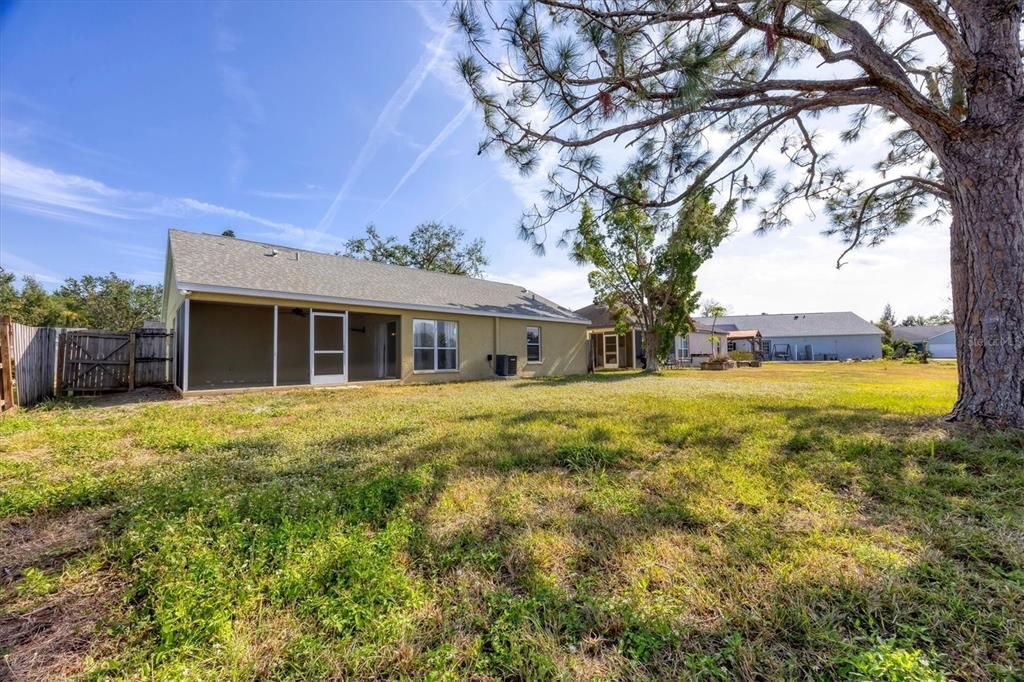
[(6, 367), (35, 358)]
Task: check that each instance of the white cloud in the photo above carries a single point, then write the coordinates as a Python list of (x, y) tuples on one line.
[(42, 191), (22, 267), (386, 121), (47, 192), (438, 140)]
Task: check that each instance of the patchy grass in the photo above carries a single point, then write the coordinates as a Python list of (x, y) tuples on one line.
[(782, 522)]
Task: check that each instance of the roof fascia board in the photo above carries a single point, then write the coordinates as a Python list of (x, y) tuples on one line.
[(242, 291)]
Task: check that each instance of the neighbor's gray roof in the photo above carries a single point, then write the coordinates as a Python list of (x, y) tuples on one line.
[(796, 324), (597, 314), (600, 318), (205, 262), (923, 332)]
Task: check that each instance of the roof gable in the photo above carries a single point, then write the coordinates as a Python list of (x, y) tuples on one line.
[(205, 262)]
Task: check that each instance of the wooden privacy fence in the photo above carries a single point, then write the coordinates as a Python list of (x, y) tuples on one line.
[(37, 363), (6, 366), (35, 359), (97, 362)]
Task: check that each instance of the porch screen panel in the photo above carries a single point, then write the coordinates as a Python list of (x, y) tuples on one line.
[(230, 345), (179, 346), (292, 346)]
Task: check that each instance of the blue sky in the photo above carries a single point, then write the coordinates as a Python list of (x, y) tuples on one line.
[(300, 123)]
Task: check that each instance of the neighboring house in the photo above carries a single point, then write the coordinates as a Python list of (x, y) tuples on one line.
[(938, 339), (800, 336), (249, 314), (608, 348), (611, 350)]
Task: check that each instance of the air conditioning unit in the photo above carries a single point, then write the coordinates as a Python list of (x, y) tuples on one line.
[(506, 365)]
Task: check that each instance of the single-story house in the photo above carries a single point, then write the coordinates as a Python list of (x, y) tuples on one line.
[(938, 339), (800, 336), (250, 314), (611, 350)]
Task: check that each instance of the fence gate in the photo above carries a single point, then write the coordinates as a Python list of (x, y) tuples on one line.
[(97, 362)]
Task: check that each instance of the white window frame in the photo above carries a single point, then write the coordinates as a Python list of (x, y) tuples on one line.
[(539, 344), (684, 347), (435, 348)]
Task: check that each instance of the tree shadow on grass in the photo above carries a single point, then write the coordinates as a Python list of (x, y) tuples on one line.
[(583, 561)]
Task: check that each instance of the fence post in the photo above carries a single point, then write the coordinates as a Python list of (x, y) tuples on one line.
[(6, 369), (131, 360), (59, 390)]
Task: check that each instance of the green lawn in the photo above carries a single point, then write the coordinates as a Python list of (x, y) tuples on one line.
[(782, 522)]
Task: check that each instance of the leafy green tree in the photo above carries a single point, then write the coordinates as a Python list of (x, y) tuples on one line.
[(714, 310), (110, 302), (886, 324), (40, 308), (697, 90), (432, 246), (645, 262), (10, 302), (922, 320), (709, 306)]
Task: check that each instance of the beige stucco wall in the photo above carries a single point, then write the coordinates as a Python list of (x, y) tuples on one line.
[(563, 344), (563, 347)]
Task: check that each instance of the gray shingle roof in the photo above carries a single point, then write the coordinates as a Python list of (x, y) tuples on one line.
[(597, 314), (796, 324), (600, 318), (924, 332), (205, 262)]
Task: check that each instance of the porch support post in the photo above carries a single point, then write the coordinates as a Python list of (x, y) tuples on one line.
[(274, 373), (185, 349)]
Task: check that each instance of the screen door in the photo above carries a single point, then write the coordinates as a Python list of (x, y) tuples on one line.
[(328, 340)]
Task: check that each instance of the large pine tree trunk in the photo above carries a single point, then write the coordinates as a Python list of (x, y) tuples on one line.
[(985, 171)]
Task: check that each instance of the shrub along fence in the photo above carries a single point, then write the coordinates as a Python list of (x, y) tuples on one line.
[(37, 363)]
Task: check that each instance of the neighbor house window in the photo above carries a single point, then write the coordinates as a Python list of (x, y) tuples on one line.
[(435, 345), (533, 344), (730, 345), (684, 347)]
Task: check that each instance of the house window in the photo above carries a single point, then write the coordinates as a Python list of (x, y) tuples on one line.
[(435, 345), (684, 347), (533, 344), (730, 345)]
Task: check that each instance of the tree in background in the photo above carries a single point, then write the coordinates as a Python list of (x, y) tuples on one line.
[(714, 310), (9, 297), (920, 320), (698, 89), (97, 302), (110, 302), (710, 307), (432, 246), (886, 323), (645, 280)]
